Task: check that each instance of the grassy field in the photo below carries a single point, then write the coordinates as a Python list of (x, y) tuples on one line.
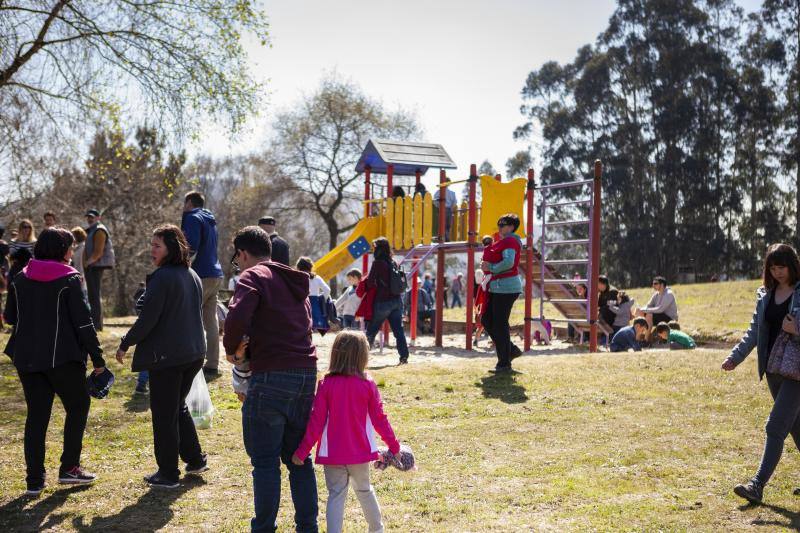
[(650, 441), (709, 311)]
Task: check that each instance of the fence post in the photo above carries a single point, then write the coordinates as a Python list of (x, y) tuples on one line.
[(595, 255)]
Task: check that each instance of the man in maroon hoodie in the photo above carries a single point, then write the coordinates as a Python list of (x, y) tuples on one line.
[(270, 306)]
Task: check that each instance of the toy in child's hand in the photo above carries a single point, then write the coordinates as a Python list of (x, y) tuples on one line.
[(403, 461)]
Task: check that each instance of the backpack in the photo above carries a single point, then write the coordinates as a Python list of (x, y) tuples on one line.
[(398, 284)]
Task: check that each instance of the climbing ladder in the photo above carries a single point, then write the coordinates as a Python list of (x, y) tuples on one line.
[(581, 313)]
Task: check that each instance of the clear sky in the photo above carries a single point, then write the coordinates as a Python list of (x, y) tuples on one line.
[(460, 65)]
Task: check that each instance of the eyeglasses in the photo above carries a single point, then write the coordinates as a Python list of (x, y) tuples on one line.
[(233, 259)]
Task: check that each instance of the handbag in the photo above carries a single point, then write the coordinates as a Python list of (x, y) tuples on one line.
[(784, 359)]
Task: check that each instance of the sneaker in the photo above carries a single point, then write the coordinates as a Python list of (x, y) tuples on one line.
[(404, 361), (198, 468), (34, 489), (751, 491), (159, 481), (141, 388), (515, 352), (76, 476)]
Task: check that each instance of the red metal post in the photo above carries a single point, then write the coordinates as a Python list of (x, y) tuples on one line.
[(367, 212), (440, 279), (529, 259), (595, 258), (418, 175), (389, 186), (471, 222)]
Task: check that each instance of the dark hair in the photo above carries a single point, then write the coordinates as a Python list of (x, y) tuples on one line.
[(623, 297), (604, 281), (253, 240), (487, 240), (509, 219), (661, 280), (305, 264), (356, 273), (640, 322), (673, 324), (398, 192), (49, 214), (196, 198), (585, 288), (176, 243), (52, 244), (419, 188), (781, 255), (662, 327), (382, 248)]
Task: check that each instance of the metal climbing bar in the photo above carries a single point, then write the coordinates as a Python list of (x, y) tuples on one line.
[(571, 203), (564, 223), (563, 185)]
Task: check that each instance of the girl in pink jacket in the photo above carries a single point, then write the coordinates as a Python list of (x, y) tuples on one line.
[(346, 414)]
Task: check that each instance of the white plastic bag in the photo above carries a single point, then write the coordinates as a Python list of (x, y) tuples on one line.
[(199, 402)]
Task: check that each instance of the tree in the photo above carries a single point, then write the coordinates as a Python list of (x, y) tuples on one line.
[(518, 164), (133, 185), (179, 62), (317, 144)]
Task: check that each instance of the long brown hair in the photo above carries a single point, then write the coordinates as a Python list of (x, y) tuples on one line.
[(349, 354), (28, 223), (176, 243), (781, 255)]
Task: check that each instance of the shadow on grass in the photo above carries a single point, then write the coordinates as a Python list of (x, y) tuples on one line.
[(793, 517), (151, 512), (39, 516), (503, 387)]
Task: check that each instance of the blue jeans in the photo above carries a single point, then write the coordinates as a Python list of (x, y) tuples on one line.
[(143, 377), (456, 300), (274, 418), (391, 310)]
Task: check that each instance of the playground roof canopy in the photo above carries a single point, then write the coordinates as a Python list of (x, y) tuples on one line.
[(406, 157)]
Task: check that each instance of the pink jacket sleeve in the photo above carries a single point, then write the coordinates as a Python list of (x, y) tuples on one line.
[(316, 422), (380, 421)]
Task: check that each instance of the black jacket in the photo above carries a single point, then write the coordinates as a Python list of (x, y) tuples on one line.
[(169, 328), (607, 315), (280, 249), (52, 323)]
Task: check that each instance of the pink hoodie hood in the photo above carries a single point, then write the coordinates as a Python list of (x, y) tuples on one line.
[(47, 270)]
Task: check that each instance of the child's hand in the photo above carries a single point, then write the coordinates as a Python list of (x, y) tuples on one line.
[(296, 460)]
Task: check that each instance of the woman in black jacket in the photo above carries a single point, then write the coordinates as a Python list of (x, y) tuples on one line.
[(388, 305), (53, 332), (170, 344)]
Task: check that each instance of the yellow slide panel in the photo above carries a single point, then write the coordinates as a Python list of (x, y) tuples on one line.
[(397, 244), (427, 219), (388, 222), (497, 199), (408, 227), (417, 209), (340, 257)]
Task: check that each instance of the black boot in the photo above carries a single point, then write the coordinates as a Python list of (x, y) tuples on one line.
[(751, 491)]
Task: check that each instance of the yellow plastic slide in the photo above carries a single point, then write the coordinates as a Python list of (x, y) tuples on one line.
[(341, 257)]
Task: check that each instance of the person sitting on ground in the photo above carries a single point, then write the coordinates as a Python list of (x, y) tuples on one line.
[(628, 337), (572, 332), (678, 340), (318, 294), (662, 306), (607, 293), (623, 310), (52, 335), (347, 304), (425, 309)]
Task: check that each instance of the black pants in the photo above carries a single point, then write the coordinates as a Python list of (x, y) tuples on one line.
[(495, 322), (174, 433), (94, 282), (68, 381), (784, 419)]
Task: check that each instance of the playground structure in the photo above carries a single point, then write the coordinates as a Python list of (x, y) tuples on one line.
[(416, 227)]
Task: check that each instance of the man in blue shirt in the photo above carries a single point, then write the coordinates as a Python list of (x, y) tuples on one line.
[(627, 337), (200, 228)]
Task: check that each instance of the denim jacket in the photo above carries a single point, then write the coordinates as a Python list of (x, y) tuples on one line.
[(757, 335)]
